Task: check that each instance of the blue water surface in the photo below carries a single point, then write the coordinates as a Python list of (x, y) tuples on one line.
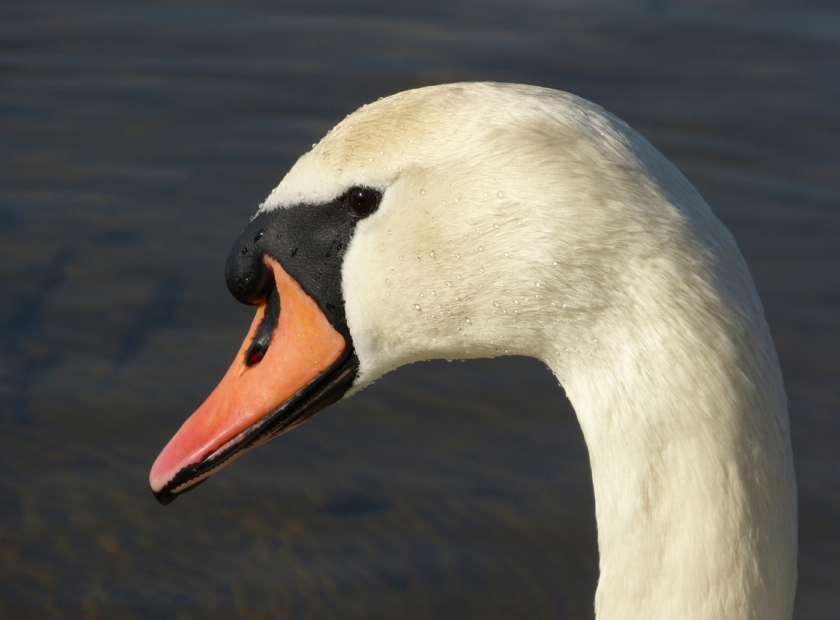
[(138, 137)]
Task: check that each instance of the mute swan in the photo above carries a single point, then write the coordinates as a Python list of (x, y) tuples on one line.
[(478, 220)]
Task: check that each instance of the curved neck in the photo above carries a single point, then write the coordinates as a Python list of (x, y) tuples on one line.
[(687, 431)]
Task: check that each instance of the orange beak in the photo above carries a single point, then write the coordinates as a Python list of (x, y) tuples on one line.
[(300, 368)]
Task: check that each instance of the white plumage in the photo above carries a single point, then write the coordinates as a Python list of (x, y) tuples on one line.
[(521, 220)]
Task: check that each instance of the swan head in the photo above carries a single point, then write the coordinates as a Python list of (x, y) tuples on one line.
[(457, 221)]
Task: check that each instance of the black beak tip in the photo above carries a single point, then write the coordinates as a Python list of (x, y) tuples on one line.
[(164, 497)]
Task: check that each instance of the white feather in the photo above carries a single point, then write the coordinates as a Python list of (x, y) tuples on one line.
[(521, 220)]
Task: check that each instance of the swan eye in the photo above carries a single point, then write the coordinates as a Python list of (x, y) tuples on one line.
[(361, 202)]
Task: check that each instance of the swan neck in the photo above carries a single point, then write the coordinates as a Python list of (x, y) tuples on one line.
[(689, 446)]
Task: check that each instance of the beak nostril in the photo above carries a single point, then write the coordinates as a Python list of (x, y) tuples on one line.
[(265, 332), (255, 355)]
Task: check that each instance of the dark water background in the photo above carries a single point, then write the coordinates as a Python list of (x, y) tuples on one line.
[(136, 138)]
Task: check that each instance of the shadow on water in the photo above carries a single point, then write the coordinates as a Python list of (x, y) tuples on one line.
[(16, 339), (157, 314), (354, 504)]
